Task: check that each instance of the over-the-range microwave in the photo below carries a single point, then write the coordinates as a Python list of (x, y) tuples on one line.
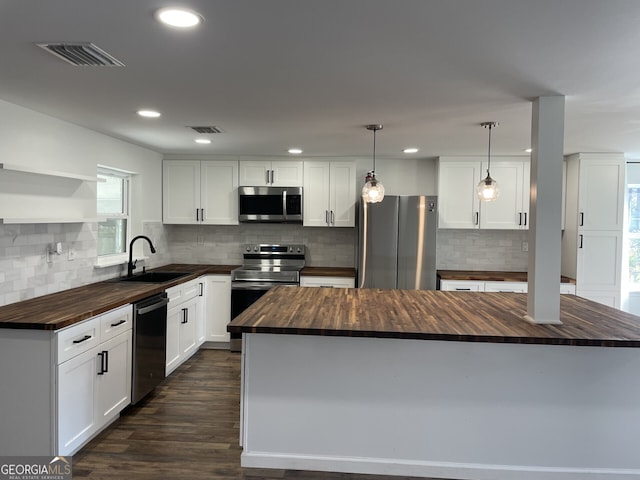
[(270, 204)]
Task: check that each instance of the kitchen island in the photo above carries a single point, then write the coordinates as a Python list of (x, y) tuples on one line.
[(438, 384)]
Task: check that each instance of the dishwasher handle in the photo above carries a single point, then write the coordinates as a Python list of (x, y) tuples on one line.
[(141, 310)]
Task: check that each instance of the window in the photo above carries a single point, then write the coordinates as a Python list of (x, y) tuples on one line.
[(113, 206), (633, 224)]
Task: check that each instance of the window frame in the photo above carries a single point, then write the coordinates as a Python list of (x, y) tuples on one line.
[(126, 177)]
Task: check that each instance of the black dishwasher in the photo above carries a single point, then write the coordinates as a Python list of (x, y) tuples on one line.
[(149, 345)]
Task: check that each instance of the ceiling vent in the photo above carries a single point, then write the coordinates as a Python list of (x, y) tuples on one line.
[(207, 129), (81, 54)]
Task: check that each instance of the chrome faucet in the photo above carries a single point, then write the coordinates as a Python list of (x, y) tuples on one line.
[(131, 266)]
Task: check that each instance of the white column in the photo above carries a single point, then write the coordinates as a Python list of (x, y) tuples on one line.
[(545, 208)]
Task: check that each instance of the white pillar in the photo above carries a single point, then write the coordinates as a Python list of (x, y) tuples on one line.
[(545, 209)]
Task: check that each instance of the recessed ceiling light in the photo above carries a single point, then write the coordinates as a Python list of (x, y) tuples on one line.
[(148, 113), (528, 150), (410, 150), (179, 17), (295, 151), (203, 141)]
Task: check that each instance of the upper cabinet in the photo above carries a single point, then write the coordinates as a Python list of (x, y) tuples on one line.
[(31, 195), (329, 193), (200, 192), (459, 204), (276, 173)]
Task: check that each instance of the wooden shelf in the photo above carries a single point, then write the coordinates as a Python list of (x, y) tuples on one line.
[(50, 173), (17, 221)]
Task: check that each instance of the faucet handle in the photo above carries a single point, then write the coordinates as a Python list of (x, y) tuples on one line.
[(134, 266)]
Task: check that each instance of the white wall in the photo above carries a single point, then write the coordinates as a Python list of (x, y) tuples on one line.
[(402, 176), (29, 138)]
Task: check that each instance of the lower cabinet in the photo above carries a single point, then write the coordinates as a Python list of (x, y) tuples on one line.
[(217, 308), (94, 380), (185, 322), (496, 286), (332, 282)]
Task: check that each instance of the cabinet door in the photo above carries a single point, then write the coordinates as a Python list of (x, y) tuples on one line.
[(254, 173), (287, 173), (599, 261), (457, 182), (180, 191), (316, 194), (76, 394), (219, 193), (188, 328), (114, 384), (601, 194), (342, 194), (174, 322), (506, 212), (218, 307)]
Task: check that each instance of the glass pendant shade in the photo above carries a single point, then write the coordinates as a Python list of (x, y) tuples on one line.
[(488, 189), (373, 190)]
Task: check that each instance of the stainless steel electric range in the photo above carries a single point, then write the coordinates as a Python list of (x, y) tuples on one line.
[(263, 267)]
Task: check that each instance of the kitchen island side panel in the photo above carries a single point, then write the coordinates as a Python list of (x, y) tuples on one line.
[(460, 410)]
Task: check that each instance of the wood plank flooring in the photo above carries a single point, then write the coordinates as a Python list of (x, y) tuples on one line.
[(187, 429)]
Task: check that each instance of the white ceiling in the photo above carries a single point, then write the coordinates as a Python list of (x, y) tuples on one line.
[(275, 74)]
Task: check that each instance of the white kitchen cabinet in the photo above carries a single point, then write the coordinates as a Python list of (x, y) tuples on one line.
[(462, 285), (94, 379), (276, 173), (184, 323), (329, 194), (200, 192), (592, 240), (459, 206), (218, 307), (331, 282)]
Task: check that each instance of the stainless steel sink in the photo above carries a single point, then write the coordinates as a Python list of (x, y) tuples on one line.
[(153, 277)]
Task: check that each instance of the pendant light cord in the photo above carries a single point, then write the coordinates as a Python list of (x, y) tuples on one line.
[(489, 153), (374, 151)]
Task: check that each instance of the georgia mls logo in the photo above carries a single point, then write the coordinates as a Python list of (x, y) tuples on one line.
[(35, 468)]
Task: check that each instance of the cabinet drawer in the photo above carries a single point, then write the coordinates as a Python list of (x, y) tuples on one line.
[(514, 287), (115, 322), (185, 291), (77, 339), (332, 282), (567, 288), (462, 285)]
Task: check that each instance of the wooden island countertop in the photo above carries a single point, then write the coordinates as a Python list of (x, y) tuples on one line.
[(434, 315)]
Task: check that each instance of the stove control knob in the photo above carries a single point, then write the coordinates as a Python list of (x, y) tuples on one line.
[(255, 249), (299, 250), (291, 249), (248, 249)]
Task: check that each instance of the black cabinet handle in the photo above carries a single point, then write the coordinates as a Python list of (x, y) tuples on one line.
[(458, 289), (333, 219), (201, 289), (84, 339), (202, 214), (101, 355), (119, 323), (525, 219), (582, 219), (520, 218), (580, 242), (104, 362), (185, 315), (477, 217)]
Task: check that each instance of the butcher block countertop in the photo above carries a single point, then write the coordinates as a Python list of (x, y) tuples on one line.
[(61, 309), (329, 272), (490, 276), (433, 315)]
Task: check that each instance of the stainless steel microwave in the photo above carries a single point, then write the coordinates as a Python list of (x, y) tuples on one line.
[(270, 204)]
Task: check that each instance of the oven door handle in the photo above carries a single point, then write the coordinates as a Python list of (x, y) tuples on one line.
[(259, 286)]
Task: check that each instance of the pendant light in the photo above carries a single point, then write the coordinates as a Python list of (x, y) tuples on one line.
[(488, 189), (373, 190)]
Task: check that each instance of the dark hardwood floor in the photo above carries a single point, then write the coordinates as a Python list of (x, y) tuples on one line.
[(187, 429)]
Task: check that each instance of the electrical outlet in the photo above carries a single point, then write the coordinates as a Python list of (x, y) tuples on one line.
[(525, 246)]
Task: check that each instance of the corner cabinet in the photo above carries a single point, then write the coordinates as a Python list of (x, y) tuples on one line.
[(200, 192), (459, 206), (592, 241), (65, 385), (276, 173), (329, 194), (218, 307)]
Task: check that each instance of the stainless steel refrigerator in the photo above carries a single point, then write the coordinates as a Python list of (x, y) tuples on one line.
[(397, 243)]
